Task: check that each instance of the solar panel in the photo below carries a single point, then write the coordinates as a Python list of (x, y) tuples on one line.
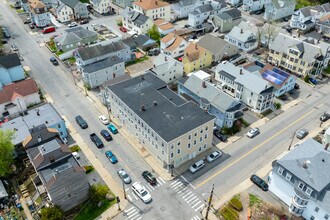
[(273, 77)]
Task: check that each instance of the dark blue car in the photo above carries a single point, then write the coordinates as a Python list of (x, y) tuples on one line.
[(111, 156)]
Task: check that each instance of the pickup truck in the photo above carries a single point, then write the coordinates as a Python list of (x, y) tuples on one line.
[(96, 140)]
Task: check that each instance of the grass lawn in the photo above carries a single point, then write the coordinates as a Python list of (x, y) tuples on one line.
[(90, 212), (59, 52), (19, 11), (305, 3), (85, 1), (327, 70), (254, 200), (137, 60)]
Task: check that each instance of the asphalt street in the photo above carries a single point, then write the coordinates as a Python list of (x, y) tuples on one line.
[(69, 101)]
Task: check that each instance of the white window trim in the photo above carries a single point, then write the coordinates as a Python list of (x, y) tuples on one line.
[(280, 170), (303, 185), (308, 189), (288, 176)]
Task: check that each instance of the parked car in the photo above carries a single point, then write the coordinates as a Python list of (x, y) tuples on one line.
[(72, 24), (4, 41), (141, 192), (215, 155), (196, 166), (111, 156), (81, 122), (96, 140), (154, 52), (85, 21), (107, 136), (302, 133), (149, 177), (31, 25), (123, 29), (14, 48), (258, 12), (47, 30), (6, 33), (27, 21), (112, 128), (221, 137), (283, 97), (104, 119), (187, 26), (124, 176), (76, 155), (259, 182), (324, 117), (54, 61), (253, 132), (313, 81)]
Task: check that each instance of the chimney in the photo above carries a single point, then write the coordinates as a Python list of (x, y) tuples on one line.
[(156, 2), (114, 75), (241, 71), (143, 108), (326, 146), (204, 84), (39, 138), (241, 31), (155, 103), (305, 164)]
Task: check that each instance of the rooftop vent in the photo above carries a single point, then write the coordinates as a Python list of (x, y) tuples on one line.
[(241, 31), (155, 103), (305, 164), (241, 72), (143, 108), (39, 138), (204, 84)]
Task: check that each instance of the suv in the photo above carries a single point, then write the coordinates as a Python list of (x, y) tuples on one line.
[(259, 182), (141, 192), (81, 122), (324, 117), (149, 177), (302, 133), (196, 166)]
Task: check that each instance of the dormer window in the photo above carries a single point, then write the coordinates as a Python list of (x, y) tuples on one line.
[(301, 185), (288, 176), (280, 170), (308, 191)]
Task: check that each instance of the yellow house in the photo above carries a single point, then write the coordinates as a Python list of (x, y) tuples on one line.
[(196, 58)]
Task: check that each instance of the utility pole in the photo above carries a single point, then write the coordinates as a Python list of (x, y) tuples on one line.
[(118, 201), (209, 204), (292, 140), (124, 189)]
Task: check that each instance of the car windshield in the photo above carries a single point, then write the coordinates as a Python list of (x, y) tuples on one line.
[(125, 175), (144, 193), (212, 155), (194, 166)]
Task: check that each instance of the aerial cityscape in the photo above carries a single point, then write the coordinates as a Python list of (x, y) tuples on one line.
[(164, 109)]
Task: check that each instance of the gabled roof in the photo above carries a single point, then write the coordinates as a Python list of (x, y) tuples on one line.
[(234, 13), (193, 52), (213, 44), (73, 35), (103, 64), (279, 4), (23, 88), (163, 63), (134, 16), (9, 61), (175, 44), (150, 4), (70, 3), (241, 33), (317, 161), (87, 53), (187, 2), (163, 25), (204, 8)]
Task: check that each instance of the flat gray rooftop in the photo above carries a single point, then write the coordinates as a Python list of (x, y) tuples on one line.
[(170, 117)]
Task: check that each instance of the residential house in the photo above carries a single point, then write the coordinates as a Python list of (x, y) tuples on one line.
[(245, 86), (305, 18), (225, 21), (196, 58), (199, 88), (277, 9), (300, 180), (171, 129), (11, 69), (243, 38), (101, 6), (96, 73), (326, 137), (253, 5), (40, 16), (282, 81), (75, 37), (184, 7), (219, 48), (153, 9), (17, 96), (167, 69), (123, 3), (92, 54), (201, 14), (136, 21), (164, 27), (142, 42), (235, 2), (324, 27), (43, 114), (300, 57), (58, 175), (173, 45), (67, 10)]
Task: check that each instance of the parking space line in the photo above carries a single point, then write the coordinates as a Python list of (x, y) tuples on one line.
[(186, 195), (126, 189), (200, 207), (135, 196), (196, 204), (174, 182)]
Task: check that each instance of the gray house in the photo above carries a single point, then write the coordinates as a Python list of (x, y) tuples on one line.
[(141, 41), (123, 3), (75, 37), (301, 180), (57, 173), (99, 72), (78, 8), (200, 89), (225, 21), (219, 48), (92, 54)]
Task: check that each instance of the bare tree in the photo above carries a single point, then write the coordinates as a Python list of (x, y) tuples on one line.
[(260, 33), (271, 32)]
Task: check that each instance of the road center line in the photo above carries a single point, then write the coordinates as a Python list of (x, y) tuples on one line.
[(255, 148)]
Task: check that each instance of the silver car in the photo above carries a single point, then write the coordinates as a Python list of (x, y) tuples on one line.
[(124, 176), (302, 133)]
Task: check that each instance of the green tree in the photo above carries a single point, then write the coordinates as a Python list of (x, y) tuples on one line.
[(98, 193), (306, 78), (154, 33), (6, 152), (52, 213)]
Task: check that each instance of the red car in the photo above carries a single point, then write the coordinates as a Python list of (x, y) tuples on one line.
[(122, 29)]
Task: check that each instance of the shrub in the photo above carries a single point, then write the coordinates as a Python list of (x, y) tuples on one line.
[(229, 213), (254, 200), (306, 78), (75, 148), (236, 203), (89, 169), (277, 105)]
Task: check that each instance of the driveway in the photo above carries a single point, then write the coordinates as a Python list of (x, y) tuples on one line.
[(139, 68)]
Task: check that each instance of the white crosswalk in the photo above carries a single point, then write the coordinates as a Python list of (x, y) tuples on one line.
[(196, 217), (188, 196), (132, 213)]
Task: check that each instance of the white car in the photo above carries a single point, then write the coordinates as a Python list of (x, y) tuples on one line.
[(196, 166), (253, 132), (215, 155), (141, 192), (104, 119), (76, 155), (73, 24)]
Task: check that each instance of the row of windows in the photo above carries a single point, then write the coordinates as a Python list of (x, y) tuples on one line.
[(179, 150)]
